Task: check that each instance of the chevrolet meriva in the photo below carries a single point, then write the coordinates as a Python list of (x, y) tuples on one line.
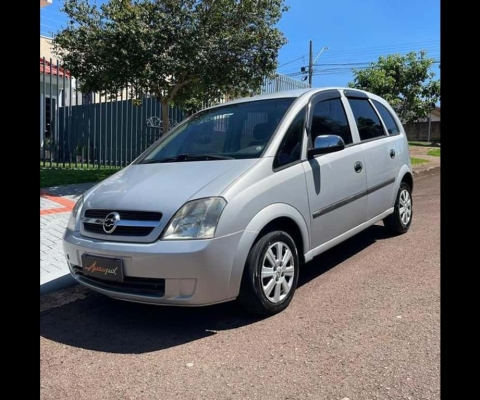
[(231, 202)]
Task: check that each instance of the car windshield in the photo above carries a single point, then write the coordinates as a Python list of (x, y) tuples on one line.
[(229, 132)]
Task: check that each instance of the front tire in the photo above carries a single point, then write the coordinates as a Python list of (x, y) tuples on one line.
[(271, 274), (399, 222)]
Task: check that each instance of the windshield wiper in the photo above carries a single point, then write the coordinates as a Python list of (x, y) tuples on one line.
[(188, 157)]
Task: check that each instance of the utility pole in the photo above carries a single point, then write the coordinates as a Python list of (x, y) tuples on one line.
[(310, 64), (429, 126), (432, 107)]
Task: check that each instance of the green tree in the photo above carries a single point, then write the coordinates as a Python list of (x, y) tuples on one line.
[(180, 51), (405, 81)]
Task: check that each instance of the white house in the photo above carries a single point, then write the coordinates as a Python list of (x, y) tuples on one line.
[(57, 87), (43, 3), (435, 114)]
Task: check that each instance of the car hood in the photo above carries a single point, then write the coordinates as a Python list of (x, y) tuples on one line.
[(164, 187)]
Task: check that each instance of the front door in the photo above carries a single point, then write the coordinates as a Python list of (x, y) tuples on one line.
[(336, 182)]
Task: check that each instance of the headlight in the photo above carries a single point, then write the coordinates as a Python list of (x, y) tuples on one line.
[(197, 219), (72, 221)]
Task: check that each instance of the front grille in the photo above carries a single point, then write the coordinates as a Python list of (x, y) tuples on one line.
[(120, 230), (126, 215), (147, 221), (131, 285)]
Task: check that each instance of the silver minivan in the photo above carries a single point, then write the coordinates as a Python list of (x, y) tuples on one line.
[(231, 202)]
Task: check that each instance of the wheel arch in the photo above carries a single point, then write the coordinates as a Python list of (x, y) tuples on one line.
[(408, 178), (404, 175), (278, 216)]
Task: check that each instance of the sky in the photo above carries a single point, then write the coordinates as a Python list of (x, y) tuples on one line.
[(353, 33)]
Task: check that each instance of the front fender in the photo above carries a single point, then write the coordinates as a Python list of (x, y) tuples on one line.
[(258, 222)]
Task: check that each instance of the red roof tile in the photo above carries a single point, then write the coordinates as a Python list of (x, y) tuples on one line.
[(52, 69)]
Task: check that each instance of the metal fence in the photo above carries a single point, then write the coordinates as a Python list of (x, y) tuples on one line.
[(94, 130), (281, 83)]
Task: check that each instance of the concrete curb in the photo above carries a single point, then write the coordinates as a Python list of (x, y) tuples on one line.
[(53, 285), (426, 171)]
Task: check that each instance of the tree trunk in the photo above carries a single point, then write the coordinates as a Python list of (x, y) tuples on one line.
[(165, 122)]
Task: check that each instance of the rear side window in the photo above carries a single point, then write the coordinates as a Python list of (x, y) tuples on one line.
[(387, 117), (368, 123), (329, 118)]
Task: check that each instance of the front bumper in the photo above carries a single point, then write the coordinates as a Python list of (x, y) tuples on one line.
[(181, 272)]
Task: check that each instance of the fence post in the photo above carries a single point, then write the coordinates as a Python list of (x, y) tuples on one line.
[(429, 127), (43, 119)]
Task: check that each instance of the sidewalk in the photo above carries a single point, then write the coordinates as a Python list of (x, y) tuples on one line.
[(421, 152), (55, 206)]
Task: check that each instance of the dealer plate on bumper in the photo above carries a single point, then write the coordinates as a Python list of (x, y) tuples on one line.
[(108, 269)]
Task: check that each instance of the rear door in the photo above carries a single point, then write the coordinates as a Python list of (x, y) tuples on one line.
[(393, 129), (336, 182), (380, 153)]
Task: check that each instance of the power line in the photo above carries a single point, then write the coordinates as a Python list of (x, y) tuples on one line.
[(354, 64), (293, 70), (294, 67), (48, 26), (51, 19), (359, 63), (387, 47), (289, 62), (50, 12), (432, 44), (347, 71), (340, 69), (349, 60), (348, 55)]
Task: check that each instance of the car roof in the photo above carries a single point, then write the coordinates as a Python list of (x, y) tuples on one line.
[(290, 93)]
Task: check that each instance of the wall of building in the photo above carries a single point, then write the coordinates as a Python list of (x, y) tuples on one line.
[(46, 49), (418, 131), (44, 3)]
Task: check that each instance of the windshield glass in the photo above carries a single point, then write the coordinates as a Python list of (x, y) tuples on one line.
[(229, 132)]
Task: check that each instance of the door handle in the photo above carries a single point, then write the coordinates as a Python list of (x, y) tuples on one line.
[(392, 153), (358, 167)]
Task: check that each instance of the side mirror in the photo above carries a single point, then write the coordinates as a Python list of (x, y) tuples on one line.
[(326, 144)]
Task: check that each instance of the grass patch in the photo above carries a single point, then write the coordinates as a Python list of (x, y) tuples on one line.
[(424, 144), (416, 161), (434, 152), (56, 175)]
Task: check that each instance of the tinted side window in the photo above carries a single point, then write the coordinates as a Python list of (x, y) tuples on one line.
[(369, 126), (329, 118), (290, 149), (388, 120)]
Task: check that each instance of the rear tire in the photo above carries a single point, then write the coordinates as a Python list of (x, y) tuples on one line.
[(399, 222), (271, 274)]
